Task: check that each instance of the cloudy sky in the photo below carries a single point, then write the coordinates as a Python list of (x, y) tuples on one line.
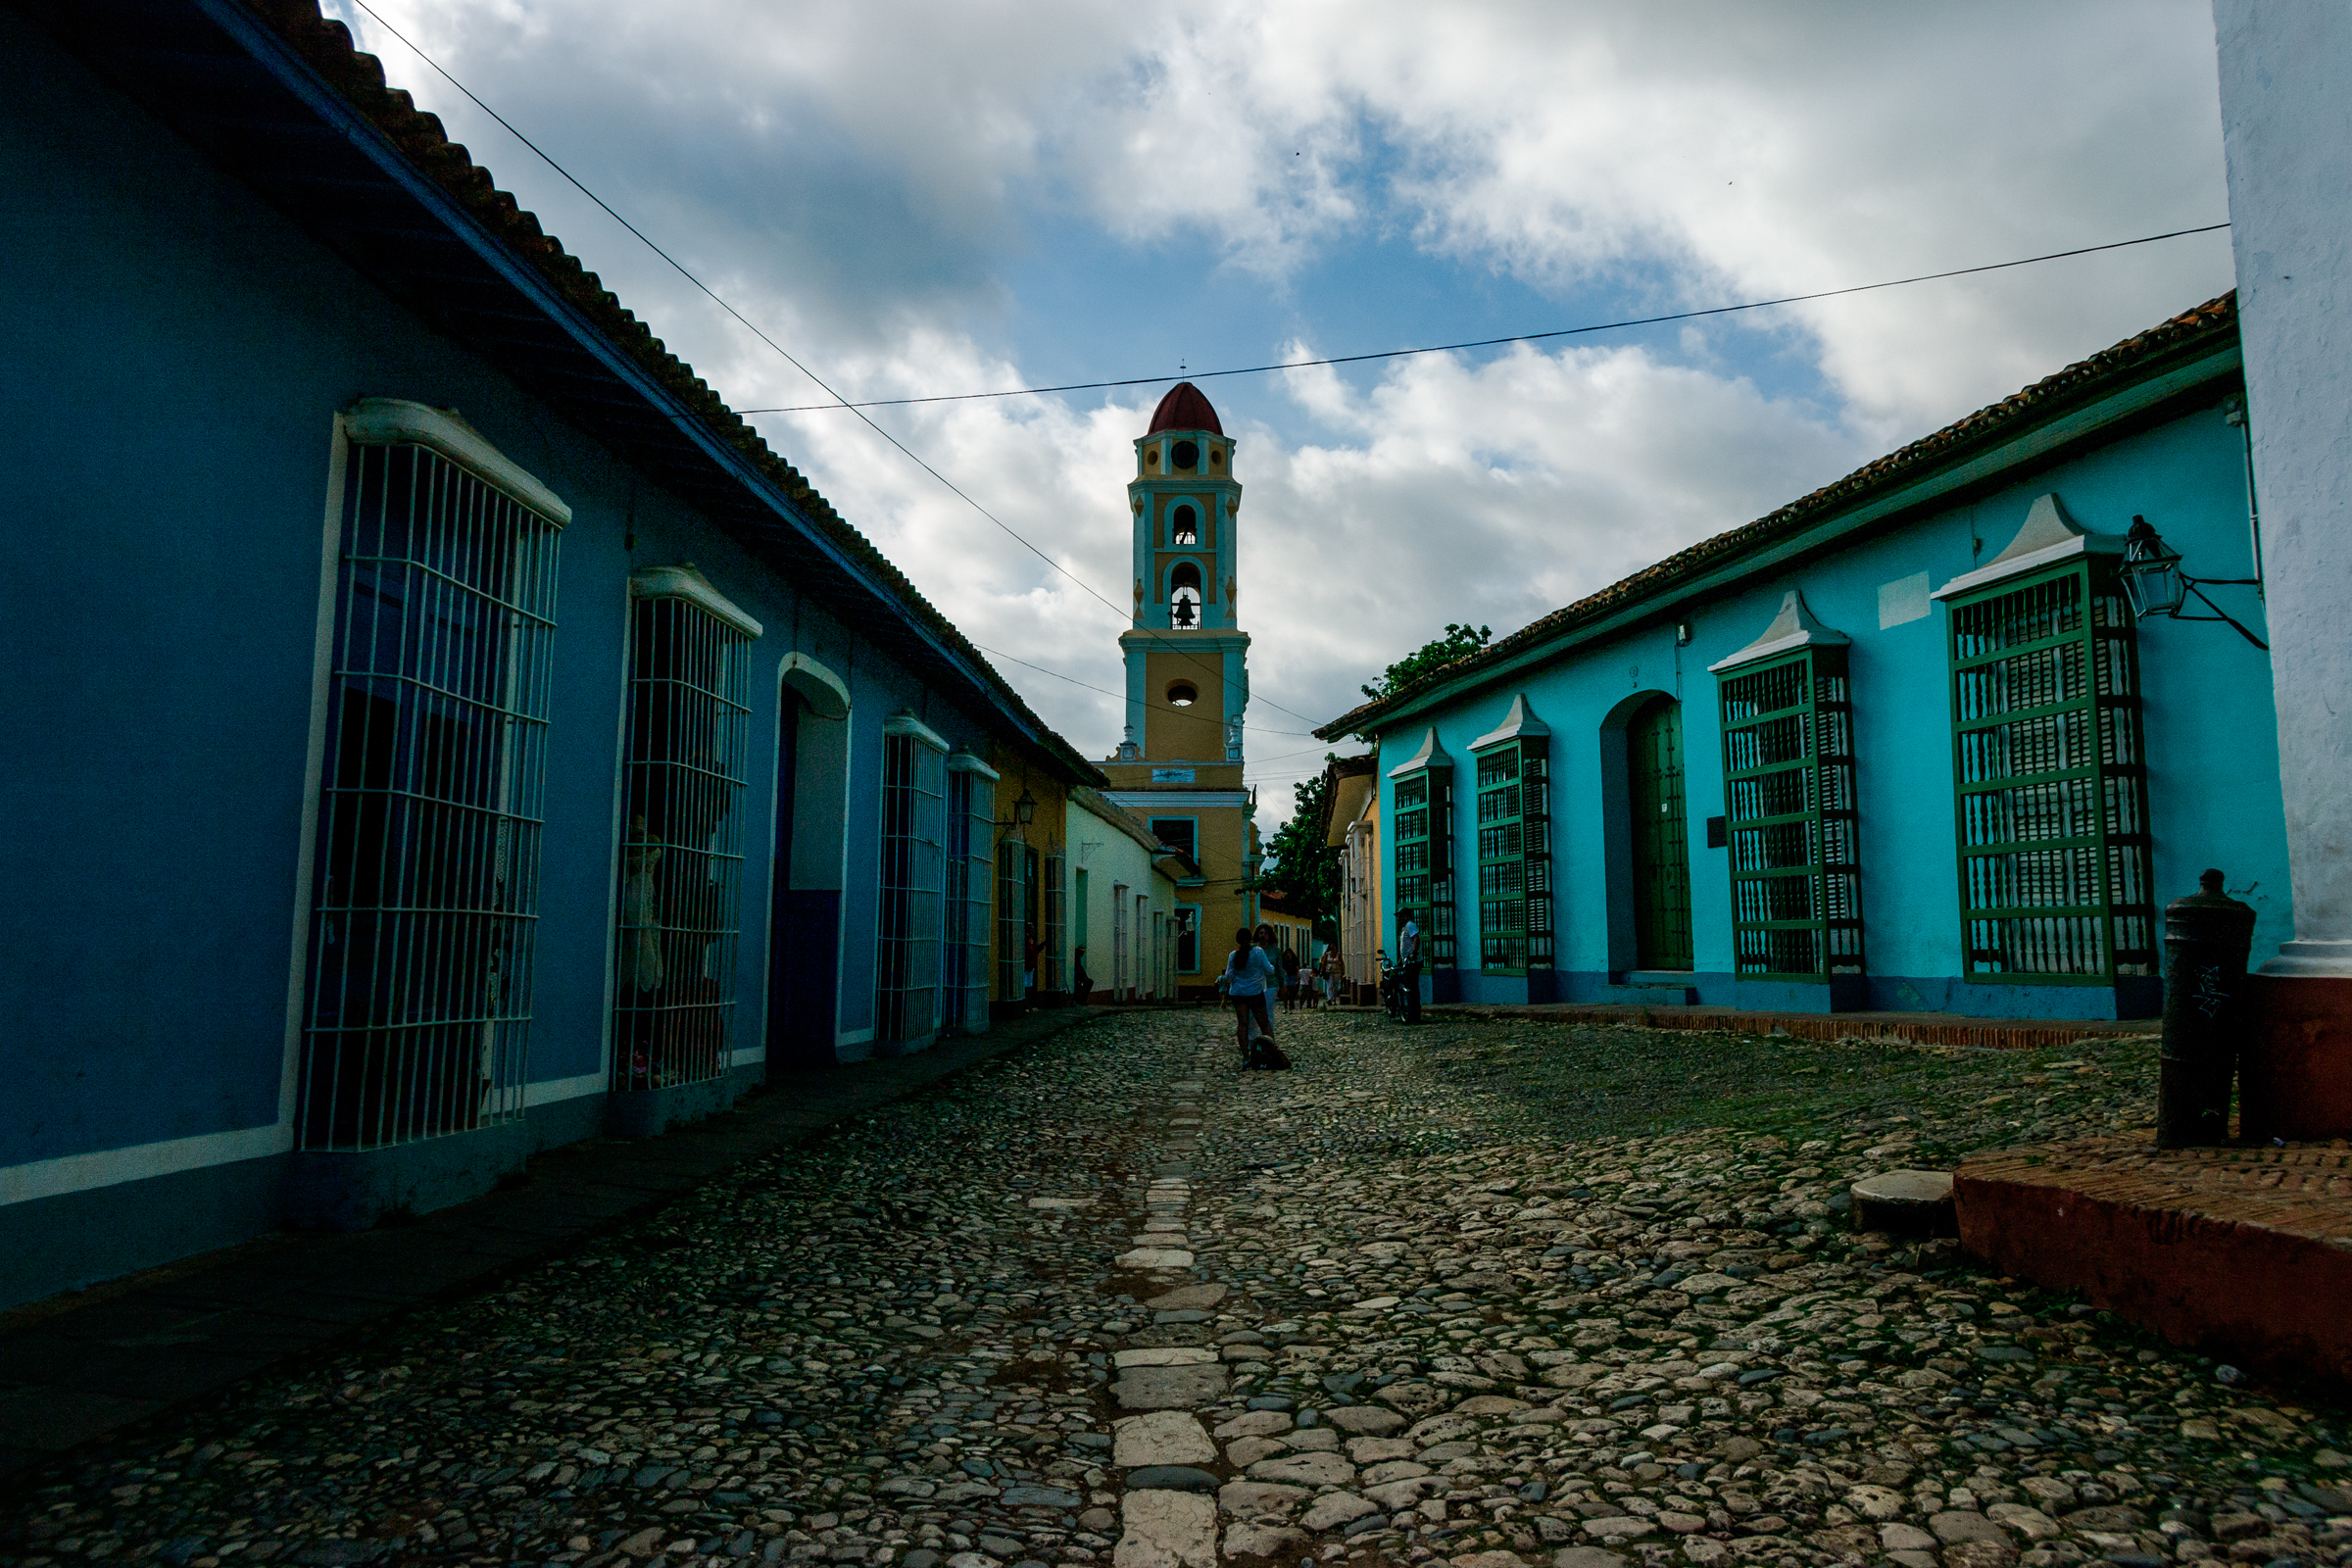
[(919, 199)]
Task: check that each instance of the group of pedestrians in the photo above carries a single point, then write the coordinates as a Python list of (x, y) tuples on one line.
[(1256, 970)]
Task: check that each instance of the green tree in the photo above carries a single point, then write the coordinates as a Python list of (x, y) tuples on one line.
[(1459, 642), (1298, 865)]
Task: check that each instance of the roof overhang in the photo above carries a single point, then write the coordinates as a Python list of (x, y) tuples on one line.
[(2131, 399)]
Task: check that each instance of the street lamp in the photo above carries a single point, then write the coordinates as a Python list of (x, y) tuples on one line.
[(2155, 585), (1024, 811)]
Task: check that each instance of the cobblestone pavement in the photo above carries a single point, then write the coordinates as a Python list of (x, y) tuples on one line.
[(1485, 1293)]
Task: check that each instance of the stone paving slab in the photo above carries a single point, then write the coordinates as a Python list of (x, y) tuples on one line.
[(77, 1368), (1481, 1295)]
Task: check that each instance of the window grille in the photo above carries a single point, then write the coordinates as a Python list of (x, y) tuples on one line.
[(1143, 949), (1013, 919), (681, 856), (2053, 816), (1422, 808), (971, 824), (1514, 858), (1159, 951), (1049, 976), (1795, 839), (425, 895), (910, 971), (1118, 939)]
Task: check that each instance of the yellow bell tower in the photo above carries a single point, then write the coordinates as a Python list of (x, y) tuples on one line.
[(1187, 674)]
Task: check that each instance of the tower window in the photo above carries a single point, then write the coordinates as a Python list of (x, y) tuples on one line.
[(1186, 455), (1184, 594), (1181, 695), (1184, 527)]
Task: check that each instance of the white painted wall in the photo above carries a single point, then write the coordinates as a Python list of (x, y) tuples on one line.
[(2286, 126)]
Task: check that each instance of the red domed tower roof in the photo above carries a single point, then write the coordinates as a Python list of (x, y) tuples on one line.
[(1184, 409)]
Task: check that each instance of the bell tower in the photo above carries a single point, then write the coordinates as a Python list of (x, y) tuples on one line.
[(1187, 672), (1187, 659)]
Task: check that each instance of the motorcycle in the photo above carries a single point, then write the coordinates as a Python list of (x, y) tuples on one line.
[(1400, 989)]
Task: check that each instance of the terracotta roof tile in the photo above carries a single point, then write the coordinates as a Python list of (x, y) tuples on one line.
[(2214, 318), (327, 46)]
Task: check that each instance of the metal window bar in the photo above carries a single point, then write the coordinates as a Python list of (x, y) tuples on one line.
[(1789, 793), (425, 904), (2055, 883), (909, 969), (1013, 919), (681, 854), (1421, 809), (971, 808), (1119, 940), (1514, 858), (1050, 957)]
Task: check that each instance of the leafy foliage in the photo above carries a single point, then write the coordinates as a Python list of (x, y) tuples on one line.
[(1459, 642), (1299, 866)]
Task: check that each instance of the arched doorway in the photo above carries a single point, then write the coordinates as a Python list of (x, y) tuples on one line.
[(804, 931), (1660, 848)]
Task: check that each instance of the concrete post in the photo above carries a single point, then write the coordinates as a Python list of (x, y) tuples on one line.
[(2286, 126)]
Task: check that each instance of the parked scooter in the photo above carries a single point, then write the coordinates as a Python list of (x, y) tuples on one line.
[(1400, 988)]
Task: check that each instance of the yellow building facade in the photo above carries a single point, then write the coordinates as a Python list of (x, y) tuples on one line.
[(1180, 765)]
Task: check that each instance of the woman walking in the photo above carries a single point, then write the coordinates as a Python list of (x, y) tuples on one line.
[(1247, 970)]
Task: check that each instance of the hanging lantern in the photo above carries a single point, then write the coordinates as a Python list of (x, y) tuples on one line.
[(2152, 578)]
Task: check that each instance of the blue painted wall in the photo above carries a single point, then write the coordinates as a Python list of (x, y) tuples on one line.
[(2211, 734), (177, 359)]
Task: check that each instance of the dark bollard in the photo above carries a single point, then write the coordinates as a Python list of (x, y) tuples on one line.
[(2206, 937)]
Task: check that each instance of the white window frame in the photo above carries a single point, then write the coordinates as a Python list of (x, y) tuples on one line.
[(1119, 940), (421, 835), (685, 780), (909, 975), (971, 827)]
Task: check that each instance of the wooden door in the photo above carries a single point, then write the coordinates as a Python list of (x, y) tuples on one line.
[(1661, 847)]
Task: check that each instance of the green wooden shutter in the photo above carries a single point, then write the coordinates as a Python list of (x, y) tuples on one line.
[(2051, 781), (1662, 847), (1514, 858), (1789, 794), (1422, 810)]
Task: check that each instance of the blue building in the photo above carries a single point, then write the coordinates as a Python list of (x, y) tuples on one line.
[(1901, 744), (437, 728)]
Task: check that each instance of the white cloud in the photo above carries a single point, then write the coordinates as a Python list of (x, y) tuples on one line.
[(857, 177)]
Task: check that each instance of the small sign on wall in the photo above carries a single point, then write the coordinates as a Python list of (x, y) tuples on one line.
[(1171, 775)]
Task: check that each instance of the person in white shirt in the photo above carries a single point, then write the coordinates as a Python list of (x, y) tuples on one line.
[(1408, 963), (1247, 970)]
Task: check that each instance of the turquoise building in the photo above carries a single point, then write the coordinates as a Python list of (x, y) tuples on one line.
[(1901, 744)]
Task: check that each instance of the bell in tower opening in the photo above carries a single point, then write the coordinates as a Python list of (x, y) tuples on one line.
[(1180, 770)]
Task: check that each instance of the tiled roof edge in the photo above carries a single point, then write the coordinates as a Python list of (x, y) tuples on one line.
[(326, 47), (2212, 319)]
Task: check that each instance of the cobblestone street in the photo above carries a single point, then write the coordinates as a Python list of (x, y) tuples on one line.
[(1498, 1293)]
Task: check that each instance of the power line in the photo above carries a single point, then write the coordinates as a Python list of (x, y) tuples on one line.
[(838, 400), (1496, 342)]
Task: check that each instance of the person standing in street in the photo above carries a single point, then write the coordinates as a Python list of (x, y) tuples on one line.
[(1248, 968), (1408, 963)]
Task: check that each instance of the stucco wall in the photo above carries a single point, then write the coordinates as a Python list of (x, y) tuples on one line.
[(2211, 743), (2286, 128), (177, 356)]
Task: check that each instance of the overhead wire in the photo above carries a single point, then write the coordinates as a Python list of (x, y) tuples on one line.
[(748, 325), (859, 408), (1498, 342)]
